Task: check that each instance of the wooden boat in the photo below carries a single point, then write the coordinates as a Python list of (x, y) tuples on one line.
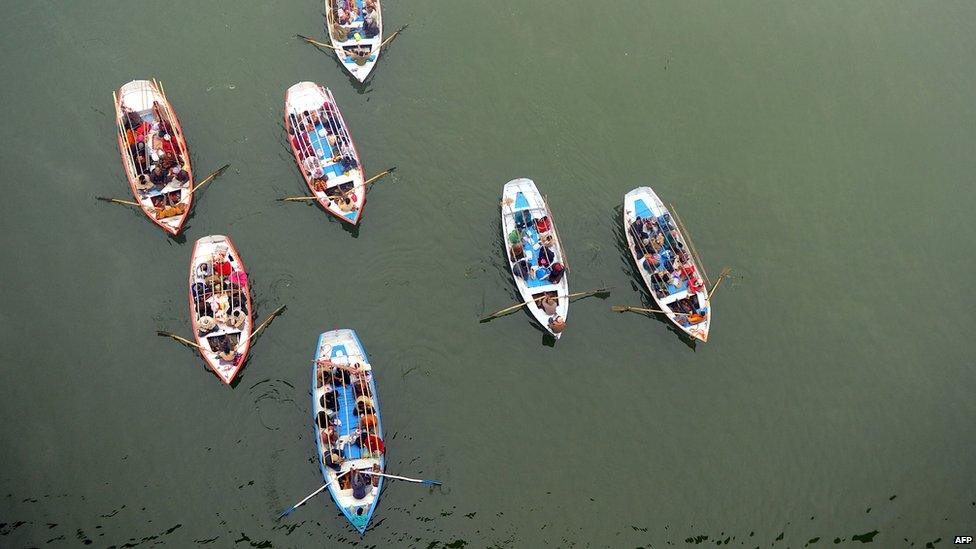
[(684, 298), (349, 405), (355, 42), (324, 151), (220, 305), (527, 223), (148, 129)]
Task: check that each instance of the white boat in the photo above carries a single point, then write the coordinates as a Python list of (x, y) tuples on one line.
[(324, 150), (149, 131), (220, 305), (352, 409), (684, 297), (527, 223), (355, 41)]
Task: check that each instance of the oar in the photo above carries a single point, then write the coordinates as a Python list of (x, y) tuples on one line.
[(267, 321), (118, 201), (178, 338), (291, 509), (417, 480), (627, 308), (317, 43), (518, 306), (210, 178), (368, 182), (390, 37), (725, 272)]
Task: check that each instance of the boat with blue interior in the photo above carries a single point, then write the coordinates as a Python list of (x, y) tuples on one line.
[(535, 254), (347, 426), (324, 151), (356, 30), (666, 263)]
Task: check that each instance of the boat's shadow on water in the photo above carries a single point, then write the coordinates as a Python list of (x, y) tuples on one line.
[(637, 282)]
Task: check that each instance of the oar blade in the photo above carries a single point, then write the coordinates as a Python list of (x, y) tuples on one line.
[(287, 512)]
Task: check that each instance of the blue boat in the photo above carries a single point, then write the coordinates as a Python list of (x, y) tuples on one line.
[(346, 423)]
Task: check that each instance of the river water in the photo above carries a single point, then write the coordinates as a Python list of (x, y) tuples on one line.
[(823, 150)]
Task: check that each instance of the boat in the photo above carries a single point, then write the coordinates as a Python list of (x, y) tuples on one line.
[(356, 31), (220, 305), (150, 135), (684, 298), (349, 406), (528, 228), (324, 151)]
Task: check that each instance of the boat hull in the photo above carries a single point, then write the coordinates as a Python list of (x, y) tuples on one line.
[(520, 195), (142, 96), (643, 202), (359, 72), (310, 106), (203, 254), (344, 347)]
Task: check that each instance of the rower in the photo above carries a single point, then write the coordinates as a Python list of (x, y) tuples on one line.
[(360, 484), (557, 324)]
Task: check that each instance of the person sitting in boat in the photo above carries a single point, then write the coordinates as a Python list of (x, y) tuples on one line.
[(517, 252), (372, 443), (557, 324), (226, 353), (549, 304), (637, 229), (179, 174), (546, 255), (368, 421), (521, 269), (328, 436), (159, 176), (651, 261), (333, 459), (364, 406), (371, 21), (556, 273), (359, 483)]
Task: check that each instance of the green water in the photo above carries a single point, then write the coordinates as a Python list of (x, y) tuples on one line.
[(823, 150)]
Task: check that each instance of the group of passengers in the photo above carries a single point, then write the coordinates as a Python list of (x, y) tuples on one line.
[(364, 433), (157, 159), (657, 242), (348, 14), (220, 300), (326, 125), (535, 259)]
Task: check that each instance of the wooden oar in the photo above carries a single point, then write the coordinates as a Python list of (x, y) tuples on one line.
[(725, 272), (691, 245), (267, 321), (177, 338), (417, 480), (291, 509), (518, 306), (627, 308), (319, 44), (368, 182), (118, 201), (390, 37), (210, 178)]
